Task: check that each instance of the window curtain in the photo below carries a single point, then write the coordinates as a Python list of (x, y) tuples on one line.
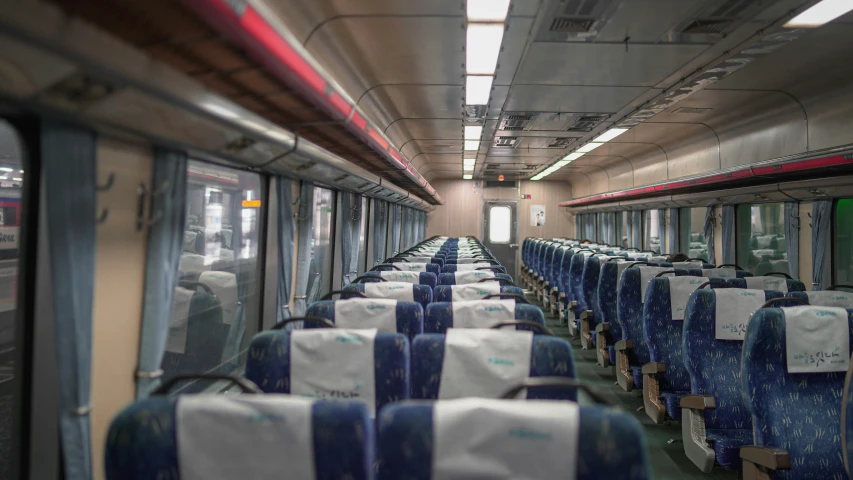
[(286, 228), (662, 230), (709, 233), (380, 225), (792, 237), (305, 223), (673, 230), (350, 233), (396, 219), (821, 231), (162, 260), (729, 255), (578, 229), (69, 156), (638, 229), (647, 231)]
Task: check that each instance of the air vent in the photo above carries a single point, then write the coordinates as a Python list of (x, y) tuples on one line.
[(506, 142), (571, 25), (707, 26), (713, 21), (732, 8), (586, 123), (575, 20), (516, 122), (499, 184), (692, 111), (560, 142)]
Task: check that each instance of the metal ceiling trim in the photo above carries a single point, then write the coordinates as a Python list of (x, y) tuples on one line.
[(37, 26), (813, 161), (253, 26)]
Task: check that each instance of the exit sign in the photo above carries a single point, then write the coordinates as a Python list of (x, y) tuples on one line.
[(525, 196)]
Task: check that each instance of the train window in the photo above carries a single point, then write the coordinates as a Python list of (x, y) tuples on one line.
[(500, 224), (691, 232), (11, 179), (760, 238), (217, 300), (320, 273), (843, 242), (651, 241), (362, 238)]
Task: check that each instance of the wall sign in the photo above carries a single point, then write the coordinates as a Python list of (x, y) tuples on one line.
[(537, 215)]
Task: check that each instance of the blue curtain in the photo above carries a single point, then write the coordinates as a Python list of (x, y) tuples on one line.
[(305, 223), (356, 235), (286, 228), (396, 219), (638, 229), (792, 237), (709, 233), (821, 230), (380, 226), (673, 230), (662, 230), (346, 237), (729, 234), (578, 229), (68, 155), (161, 265)]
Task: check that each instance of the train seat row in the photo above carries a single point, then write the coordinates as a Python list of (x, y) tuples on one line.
[(385, 384), (745, 363)]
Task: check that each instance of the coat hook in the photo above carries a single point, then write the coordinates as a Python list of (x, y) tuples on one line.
[(797, 226), (102, 217), (809, 214), (110, 181)]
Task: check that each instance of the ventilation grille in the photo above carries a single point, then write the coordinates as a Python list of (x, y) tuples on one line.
[(560, 142), (506, 142), (692, 111), (571, 25), (587, 123), (732, 8), (515, 167), (575, 20), (497, 184), (516, 122), (707, 26), (713, 21)]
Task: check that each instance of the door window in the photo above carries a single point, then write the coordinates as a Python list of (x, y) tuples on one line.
[(500, 224)]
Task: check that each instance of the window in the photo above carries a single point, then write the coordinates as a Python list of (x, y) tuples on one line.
[(11, 180), (843, 242), (652, 239), (320, 273), (760, 238), (624, 229), (217, 300), (362, 238), (691, 232), (500, 224)]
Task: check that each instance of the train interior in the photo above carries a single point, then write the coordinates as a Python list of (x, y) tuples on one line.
[(426, 239)]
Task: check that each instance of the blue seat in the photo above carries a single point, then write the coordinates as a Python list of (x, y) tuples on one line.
[(665, 378), (453, 268), (143, 441), (444, 293), (437, 260), (439, 316), (422, 294), (608, 330), (807, 429), (563, 281), (450, 279), (589, 291), (433, 268), (576, 287), (612, 444), (410, 316), (631, 351), (268, 364), (704, 272), (791, 285), (206, 336), (549, 357), (825, 298), (714, 368), (424, 278)]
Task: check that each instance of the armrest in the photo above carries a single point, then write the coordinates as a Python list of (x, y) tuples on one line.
[(653, 368), (562, 295), (767, 457), (698, 402), (623, 345), (573, 305), (586, 314), (602, 327)]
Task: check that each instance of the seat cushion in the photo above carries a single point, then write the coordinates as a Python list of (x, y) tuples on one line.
[(727, 445), (638, 376), (670, 400), (611, 353)]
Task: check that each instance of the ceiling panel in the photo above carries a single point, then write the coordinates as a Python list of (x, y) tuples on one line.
[(387, 103), (436, 158), (603, 64), (512, 47), (405, 129), (448, 147), (554, 98), (645, 20)]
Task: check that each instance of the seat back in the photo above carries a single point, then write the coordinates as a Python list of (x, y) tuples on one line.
[(809, 429), (630, 314), (444, 293), (409, 318), (576, 279), (779, 284), (463, 267), (433, 268), (421, 278), (319, 373), (421, 294), (549, 357), (197, 334), (724, 273), (663, 331), (608, 299), (161, 436), (589, 286), (549, 263), (463, 278), (565, 270), (440, 315), (825, 298), (409, 445)]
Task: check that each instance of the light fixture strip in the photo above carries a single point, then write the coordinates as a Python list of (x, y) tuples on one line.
[(821, 13)]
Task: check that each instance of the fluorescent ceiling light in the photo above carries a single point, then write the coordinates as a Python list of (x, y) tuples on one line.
[(472, 144), (610, 134), (589, 147), (468, 168), (823, 12), (483, 47), (478, 89), (487, 10), (562, 163), (6, 169), (473, 132), (4, 177), (469, 161), (467, 177), (574, 156)]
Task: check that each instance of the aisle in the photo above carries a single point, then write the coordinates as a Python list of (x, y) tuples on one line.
[(668, 460)]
